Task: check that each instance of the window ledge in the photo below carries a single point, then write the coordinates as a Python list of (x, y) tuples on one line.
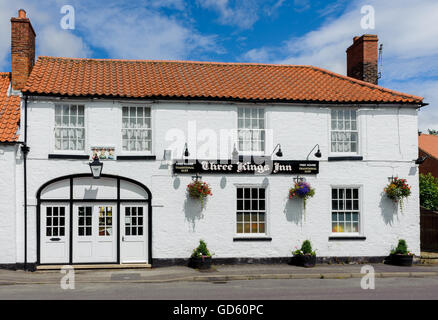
[(252, 239), (136, 157), (345, 158), (69, 156), (341, 238)]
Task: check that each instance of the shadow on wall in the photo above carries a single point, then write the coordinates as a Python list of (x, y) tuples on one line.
[(90, 193), (388, 209), (294, 211), (193, 211)]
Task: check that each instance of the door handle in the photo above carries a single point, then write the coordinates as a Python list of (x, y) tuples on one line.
[(123, 238), (55, 239)]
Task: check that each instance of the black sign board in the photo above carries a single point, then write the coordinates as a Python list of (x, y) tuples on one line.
[(264, 167)]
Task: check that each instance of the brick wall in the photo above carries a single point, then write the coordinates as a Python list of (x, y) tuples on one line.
[(430, 165), (22, 49), (362, 58)]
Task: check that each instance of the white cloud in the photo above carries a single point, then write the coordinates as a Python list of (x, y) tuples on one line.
[(121, 28), (407, 30), (244, 13), (61, 43), (142, 34)]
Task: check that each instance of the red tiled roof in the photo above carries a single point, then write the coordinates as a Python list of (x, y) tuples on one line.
[(428, 143), (9, 111), (202, 80)]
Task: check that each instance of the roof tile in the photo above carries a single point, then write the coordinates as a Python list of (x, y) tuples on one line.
[(211, 80), (429, 144), (9, 111)]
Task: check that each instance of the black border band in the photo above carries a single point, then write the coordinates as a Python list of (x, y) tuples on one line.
[(350, 158)]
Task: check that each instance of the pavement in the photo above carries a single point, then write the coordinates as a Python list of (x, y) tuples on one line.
[(218, 273)]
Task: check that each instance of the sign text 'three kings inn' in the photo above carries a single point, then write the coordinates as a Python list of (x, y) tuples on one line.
[(263, 167)]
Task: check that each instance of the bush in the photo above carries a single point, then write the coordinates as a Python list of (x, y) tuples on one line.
[(429, 191), (306, 248), (201, 250), (402, 248)]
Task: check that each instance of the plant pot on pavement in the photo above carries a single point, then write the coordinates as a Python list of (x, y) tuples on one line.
[(305, 260), (202, 263), (404, 260)]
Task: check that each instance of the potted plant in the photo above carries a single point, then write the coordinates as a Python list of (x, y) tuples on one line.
[(199, 190), (201, 257), (302, 190), (400, 256), (304, 257), (398, 189)]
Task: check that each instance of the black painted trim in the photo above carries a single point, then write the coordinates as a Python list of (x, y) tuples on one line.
[(252, 239), (273, 260), (71, 220), (136, 158), (69, 156), (349, 158), (118, 220), (93, 200), (347, 238)]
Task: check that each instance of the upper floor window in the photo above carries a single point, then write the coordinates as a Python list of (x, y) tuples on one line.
[(251, 129), (136, 129), (69, 127), (344, 133)]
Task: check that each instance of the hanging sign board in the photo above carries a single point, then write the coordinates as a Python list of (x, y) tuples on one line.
[(265, 167)]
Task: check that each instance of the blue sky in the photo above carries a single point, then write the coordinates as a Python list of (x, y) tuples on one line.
[(271, 31)]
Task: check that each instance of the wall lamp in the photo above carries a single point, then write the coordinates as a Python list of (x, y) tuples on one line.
[(420, 160), (317, 154), (279, 152), (96, 167), (186, 151)]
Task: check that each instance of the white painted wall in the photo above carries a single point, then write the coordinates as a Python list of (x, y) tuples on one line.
[(388, 139), (8, 204)]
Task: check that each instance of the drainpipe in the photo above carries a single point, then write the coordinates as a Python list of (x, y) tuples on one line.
[(25, 150)]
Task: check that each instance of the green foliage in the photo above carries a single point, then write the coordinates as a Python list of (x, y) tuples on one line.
[(201, 250), (306, 248), (433, 132), (429, 191), (402, 248)]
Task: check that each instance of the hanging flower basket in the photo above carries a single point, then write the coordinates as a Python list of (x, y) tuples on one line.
[(398, 189), (199, 190), (301, 190)]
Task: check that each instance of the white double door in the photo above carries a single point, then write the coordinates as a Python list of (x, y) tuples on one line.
[(94, 228), (95, 233)]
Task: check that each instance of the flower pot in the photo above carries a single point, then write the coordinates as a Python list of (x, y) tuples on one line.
[(201, 263), (305, 260), (404, 260)]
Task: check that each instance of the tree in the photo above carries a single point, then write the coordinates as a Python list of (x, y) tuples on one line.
[(433, 132), (429, 191)]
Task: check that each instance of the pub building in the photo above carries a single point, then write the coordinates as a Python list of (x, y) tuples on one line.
[(96, 156)]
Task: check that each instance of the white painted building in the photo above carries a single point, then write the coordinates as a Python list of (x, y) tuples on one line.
[(145, 113)]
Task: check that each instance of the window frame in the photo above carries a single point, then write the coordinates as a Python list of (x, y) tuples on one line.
[(361, 212), (266, 234), (358, 131), (247, 153), (54, 127), (152, 129)]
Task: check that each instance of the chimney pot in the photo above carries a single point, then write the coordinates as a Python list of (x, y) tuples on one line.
[(22, 14), (362, 58)]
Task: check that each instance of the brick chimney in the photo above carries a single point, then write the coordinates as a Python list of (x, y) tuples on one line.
[(22, 49), (362, 58)]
